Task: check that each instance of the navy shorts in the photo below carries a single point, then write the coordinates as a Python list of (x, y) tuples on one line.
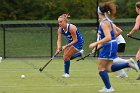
[(121, 47)]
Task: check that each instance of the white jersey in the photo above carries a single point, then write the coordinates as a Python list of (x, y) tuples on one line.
[(120, 39)]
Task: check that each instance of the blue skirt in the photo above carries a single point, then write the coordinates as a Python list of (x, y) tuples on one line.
[(78, 45), (109, 50)]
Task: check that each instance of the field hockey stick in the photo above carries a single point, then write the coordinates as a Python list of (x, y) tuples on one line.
[(42, 68), (134, 37), (93, 52)]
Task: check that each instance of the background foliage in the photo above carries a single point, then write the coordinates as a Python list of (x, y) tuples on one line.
[(51, 9)]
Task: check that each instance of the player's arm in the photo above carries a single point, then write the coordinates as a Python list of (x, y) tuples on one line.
[(117, 30), (106, 30), (59, 40), (99, 45), (136, 27)]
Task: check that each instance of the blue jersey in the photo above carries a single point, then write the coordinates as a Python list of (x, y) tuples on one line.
[(109, 50), (79, 44), (101, 33)]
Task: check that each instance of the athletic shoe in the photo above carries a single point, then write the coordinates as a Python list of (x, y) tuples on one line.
[(122, 76), (133, 65), (66, 75), (82, 53), (106, 90)]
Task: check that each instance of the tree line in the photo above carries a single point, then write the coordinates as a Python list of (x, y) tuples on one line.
[(51, 9)]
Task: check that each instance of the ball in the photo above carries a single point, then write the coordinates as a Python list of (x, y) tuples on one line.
[(0, 59), (23, 76)]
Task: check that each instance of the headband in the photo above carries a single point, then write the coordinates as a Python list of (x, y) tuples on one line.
[(99, 11)]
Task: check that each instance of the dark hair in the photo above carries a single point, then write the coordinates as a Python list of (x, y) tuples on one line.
[(109, 8), (138, 4)]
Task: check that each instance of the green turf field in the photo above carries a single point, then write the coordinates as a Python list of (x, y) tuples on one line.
[(84, 77)]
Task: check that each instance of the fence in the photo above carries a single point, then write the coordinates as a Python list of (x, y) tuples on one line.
[(39, 39)]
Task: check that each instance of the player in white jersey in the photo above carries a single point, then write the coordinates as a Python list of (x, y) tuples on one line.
[(121, 48)]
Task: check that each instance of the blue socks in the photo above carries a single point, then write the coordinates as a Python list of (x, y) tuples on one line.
[(105, 78), (75, 55), (119, 66), (66, 66), (138, 62), (67, 63)]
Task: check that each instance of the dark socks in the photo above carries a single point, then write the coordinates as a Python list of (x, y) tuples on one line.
[(66, 66), (75, 55), (105, 78), (116, 67)]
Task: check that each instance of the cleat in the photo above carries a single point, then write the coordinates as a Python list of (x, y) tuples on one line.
[(106, 90), (66, 75), (82, 53), (133, 65), (122, 76)]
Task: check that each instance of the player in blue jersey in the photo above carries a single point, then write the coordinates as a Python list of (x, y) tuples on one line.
[(121, 48), (74, 41), (135, 29), (109, 46)]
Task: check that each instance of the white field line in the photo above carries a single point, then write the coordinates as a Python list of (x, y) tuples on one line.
[(64, 85), (71, 85), (49, 70), (8, 86)]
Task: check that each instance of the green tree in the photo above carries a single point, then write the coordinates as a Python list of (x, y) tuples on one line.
[(77, 8), (126, 8), (21, 9), (51, 9)]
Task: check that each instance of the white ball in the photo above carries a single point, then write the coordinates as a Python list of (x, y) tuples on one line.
[(22, 76), (0, 59)]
